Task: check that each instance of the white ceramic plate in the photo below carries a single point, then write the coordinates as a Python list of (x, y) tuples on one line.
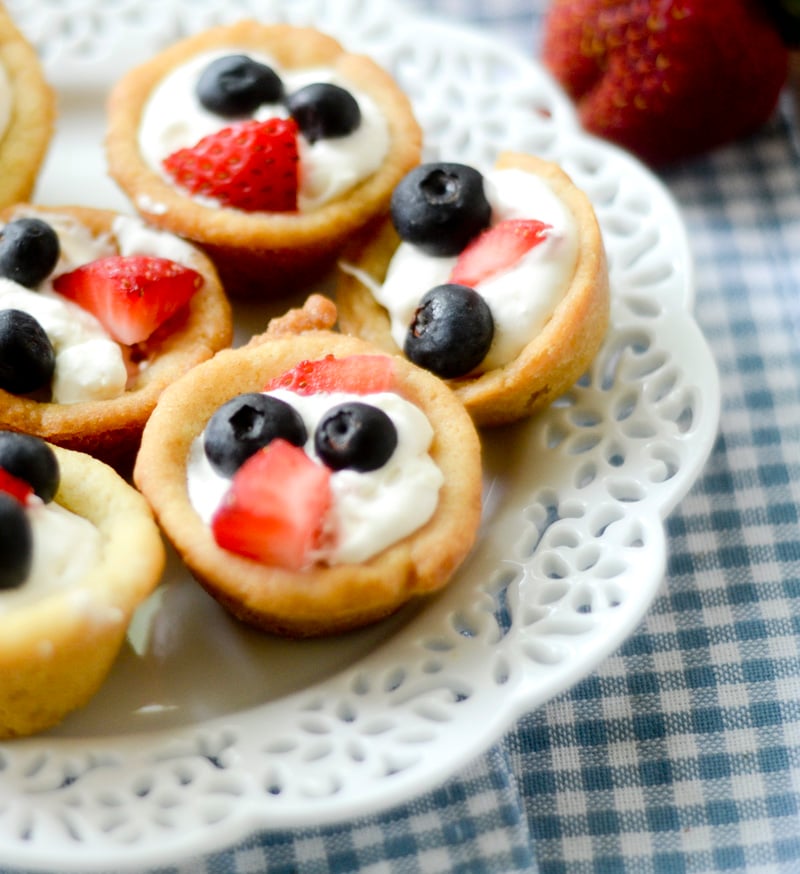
[(207, 731)]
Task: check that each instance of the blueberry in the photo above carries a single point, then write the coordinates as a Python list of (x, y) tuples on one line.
[(29, 250), (236, 85), (30, 459), (324, 110), (16, 543), (27, 358), (355, 435), (451, 331), (247, 423), (440, 207)]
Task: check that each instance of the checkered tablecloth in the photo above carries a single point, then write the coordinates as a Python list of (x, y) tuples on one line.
[(681, 752)]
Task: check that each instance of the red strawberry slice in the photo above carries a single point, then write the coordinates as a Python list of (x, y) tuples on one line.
[(130, 295), (15, 486), (359, 374), (250, 166), (497, 249), (275, 508)]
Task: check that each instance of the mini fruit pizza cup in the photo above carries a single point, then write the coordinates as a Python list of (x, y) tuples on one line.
[(98, 314), (311, 483), (269, 145), (79, 551), (496, 282)]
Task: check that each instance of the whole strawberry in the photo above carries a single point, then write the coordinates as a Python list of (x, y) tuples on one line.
[(667, 79)]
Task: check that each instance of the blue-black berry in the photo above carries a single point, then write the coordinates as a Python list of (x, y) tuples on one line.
[(323, 110), (29, 250), (236, 85), (16, 543), (440, 207), (32, 460), (355, 435), (27, 357), (451, 331), (247, 423)]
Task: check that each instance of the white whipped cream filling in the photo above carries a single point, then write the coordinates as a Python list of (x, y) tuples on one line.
[(173, 119), (65, 548), (90, 366), (6, 101), (134, 237), (371, 510), (522, 298)]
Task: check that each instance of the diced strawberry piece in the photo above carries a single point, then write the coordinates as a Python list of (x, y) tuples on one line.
[(359, 374), (130, 295), (497, 249), (15, 486), (253, 165), (275, 508)]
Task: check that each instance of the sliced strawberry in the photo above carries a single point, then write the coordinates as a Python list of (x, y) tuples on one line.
[(130, 295), (15, 486), (359, 374), (497, 249), (275, 508), (250, 166)]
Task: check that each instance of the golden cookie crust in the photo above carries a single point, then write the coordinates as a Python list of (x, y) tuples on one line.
[(56, 652), (24, 146), (323, 600), (111, 429), (551, 362), (261, 254)]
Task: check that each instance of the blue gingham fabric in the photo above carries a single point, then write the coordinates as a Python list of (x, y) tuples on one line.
[(680, 754)]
